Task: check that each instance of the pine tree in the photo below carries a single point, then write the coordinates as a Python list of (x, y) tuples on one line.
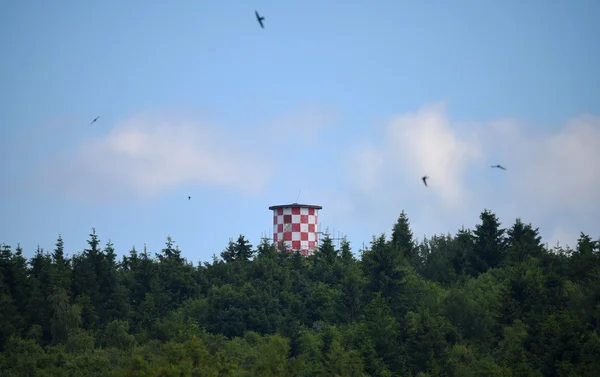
[(40, 286), (10, 317), (114, 297), (87, 267), (462, 256), (170, 253), (402, 240), (326, 251), (490, 244), (523, 241), (58, 256), (585, 258), (61, 266), (345, 251), (384, 268), (243, 249), (266, 249), (14, 267), (228, 254)]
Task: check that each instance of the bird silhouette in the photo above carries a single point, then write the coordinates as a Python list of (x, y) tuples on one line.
[(425, 180), (260, 19), (95, 120), (498, 166), (189, 197)]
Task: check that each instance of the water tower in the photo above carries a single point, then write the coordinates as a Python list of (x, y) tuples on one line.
[(296, 225)]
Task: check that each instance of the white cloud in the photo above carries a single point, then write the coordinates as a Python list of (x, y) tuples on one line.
[(425, 143), (146, 155), (563, 237), (302, 124), (561, 171), (552, 181), (414, 145)]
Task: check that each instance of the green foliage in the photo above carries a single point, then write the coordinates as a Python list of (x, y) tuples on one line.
[(241, 250), (490, 244), (402, 241), (117, 335), (488, 302)]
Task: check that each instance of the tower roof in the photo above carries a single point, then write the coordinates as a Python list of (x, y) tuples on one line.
[(296, 205)]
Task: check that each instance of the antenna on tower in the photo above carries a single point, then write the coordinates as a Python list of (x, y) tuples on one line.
[(334, 238), (298, 197)]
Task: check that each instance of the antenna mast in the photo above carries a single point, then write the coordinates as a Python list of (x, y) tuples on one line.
[(298, 197)]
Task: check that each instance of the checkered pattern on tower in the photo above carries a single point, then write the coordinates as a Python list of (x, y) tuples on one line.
[(297, 227)]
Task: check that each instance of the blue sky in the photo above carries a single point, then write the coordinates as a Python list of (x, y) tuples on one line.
[(351, 103)]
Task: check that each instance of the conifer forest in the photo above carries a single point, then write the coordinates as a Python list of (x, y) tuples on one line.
[(492, 301)]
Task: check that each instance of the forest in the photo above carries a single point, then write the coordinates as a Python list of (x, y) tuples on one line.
[(489, 301)]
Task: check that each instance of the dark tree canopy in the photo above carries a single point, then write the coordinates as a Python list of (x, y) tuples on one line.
[(483, 302)]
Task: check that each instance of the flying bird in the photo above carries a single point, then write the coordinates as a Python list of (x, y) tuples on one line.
[(95, 120), (260, 19), (189, 197), (425, 180), (498, 166)]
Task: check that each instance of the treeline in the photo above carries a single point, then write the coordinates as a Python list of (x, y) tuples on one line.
[(484, 302)]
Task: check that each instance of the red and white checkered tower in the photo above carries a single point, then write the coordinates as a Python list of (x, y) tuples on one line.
[(296, 225)]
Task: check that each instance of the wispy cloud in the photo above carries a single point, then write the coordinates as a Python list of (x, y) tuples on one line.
[(426, 143), (414, 145), (146, 155), (553, 179), (561, 170), (304, 123)]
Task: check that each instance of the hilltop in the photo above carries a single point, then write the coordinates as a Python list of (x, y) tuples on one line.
[(490, 301)]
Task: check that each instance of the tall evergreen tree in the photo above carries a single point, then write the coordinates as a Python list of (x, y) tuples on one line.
[(463, 251), (490, 244), (228, 254), (243, 249), (18, 279), (326, 251), (266, 249), (10, 318), (345, 251), (87, 274), (14, 267), (114, 298), (402, 240), (523, 241), (40, 284), (585, 258), (58, 256), (384, 268), (61, 269), (170, 252)]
